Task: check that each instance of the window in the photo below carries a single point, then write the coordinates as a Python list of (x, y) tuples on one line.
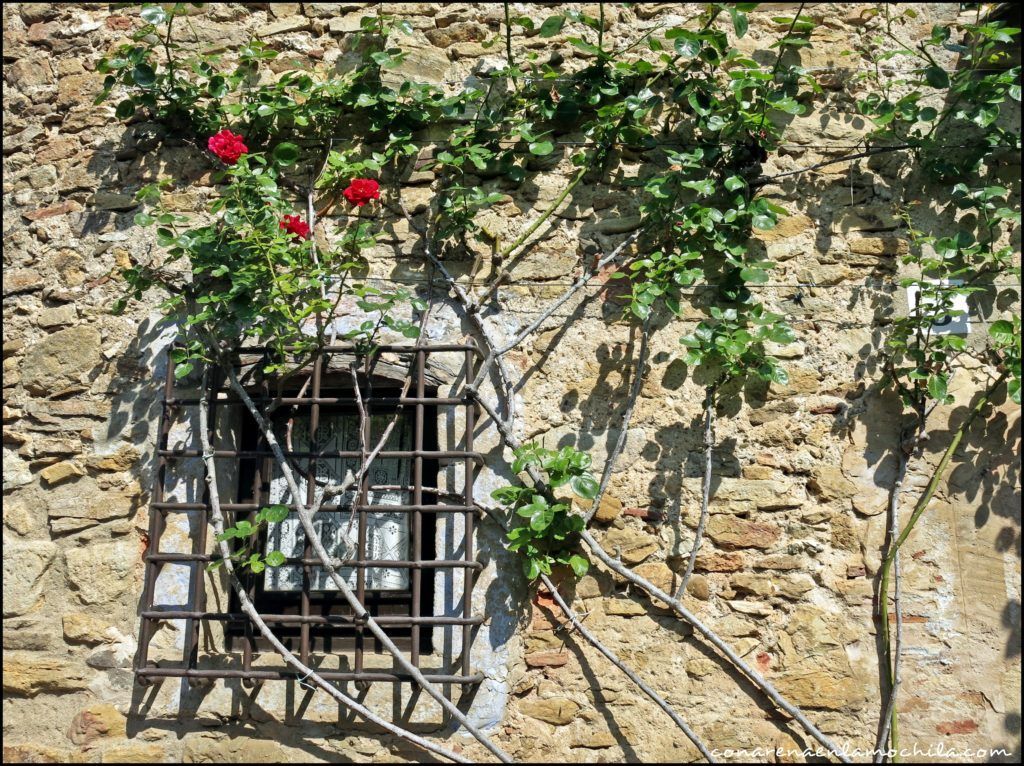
[(404, 537)]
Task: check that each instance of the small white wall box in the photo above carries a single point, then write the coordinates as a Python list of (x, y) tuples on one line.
[(955, 323)]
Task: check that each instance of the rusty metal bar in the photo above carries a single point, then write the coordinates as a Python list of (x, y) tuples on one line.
[(416, 538), (156, 520), (314, 561), (313, 619), (288, 675), (467, 575)]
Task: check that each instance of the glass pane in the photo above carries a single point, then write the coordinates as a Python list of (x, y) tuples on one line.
[(387, 534)]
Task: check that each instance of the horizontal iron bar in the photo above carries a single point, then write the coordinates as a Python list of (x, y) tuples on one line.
[(327, 508), (366, 563), (393, 347), (285, 675), (297, 400), (225, 453), (392, 620)]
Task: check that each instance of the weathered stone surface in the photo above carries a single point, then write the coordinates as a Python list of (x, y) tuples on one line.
[(61, 360), (732, 532), (828, 483), (609, 509), (556, 710), (96, 722), (634, 546), (29, 674), (103, 572), (35, 753), (25, 566), (85, 628), (58, 473), (135, 752), (546, 659), (234, 750)]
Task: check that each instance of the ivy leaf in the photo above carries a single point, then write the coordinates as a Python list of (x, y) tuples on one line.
[(739, 21), (585, 486), (286, 154), (153, 14), (531, 569), (732, 183), (687, 43), (125, 109), (1001, 332), (275, 513)]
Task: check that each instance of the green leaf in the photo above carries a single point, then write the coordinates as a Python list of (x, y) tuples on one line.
[(585, 486), (552, 26), (937, 387), (143, 75), (541, 148), (732, 183), (1001, 332), (739, 21), (579, 565), (531, 569), (936, 77), (153, 14), (276, 559), (125, 109), (286, 154), (275, 513)]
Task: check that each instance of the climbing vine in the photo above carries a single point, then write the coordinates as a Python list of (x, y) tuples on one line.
[(270, 263)]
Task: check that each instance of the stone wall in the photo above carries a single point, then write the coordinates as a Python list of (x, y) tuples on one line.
[(801, 479)]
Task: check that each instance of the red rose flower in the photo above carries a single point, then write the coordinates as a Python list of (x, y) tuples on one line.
[(227, 146), (295, 226), (361, 191)]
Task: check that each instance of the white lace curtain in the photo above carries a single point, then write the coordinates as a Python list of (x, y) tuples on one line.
[(387, 534)]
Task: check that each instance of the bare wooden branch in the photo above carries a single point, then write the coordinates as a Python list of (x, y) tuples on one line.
[(309, 675)]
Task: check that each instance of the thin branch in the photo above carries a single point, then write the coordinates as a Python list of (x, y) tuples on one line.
[(308, 673), (705, 498), (627, 416), (764, 180)]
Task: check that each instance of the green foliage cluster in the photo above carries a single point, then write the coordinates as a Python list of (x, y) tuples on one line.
[(547, 532), (247, 533)]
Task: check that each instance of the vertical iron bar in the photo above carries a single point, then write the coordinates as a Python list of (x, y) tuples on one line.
[(314, 424), (198, 599), (364, 493), (417, 499), (467, 574), (157, 519)]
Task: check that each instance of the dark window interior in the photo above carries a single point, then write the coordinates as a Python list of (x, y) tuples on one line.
[(343, 636)]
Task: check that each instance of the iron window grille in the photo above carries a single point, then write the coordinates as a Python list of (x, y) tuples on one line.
[(396, 561)]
